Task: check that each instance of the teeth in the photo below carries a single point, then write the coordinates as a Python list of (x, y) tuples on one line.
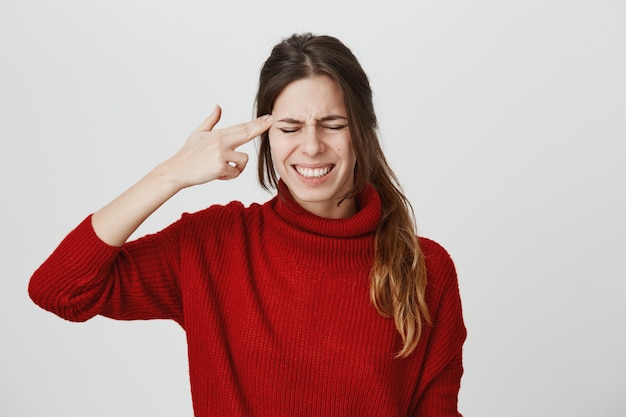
[(312, 172)]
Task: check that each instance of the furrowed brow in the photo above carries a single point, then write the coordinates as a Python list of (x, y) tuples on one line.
[(291, 121), (332, 117), (328, 118)]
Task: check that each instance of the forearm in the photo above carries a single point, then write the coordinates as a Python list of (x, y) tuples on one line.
[(116, 221), (440, 399), (72, 280), (85, 277), (207, 155)]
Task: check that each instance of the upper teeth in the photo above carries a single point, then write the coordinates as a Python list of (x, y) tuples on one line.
[(312, 172)]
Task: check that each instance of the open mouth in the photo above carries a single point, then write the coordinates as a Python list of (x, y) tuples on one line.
[(313, 172)]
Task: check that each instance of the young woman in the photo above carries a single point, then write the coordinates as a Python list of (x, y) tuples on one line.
[(320, 302)]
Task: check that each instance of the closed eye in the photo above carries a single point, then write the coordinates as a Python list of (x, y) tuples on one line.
[(335, 127), (289, 129)]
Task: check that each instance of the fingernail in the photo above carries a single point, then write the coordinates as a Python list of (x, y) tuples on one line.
[(268, 118)]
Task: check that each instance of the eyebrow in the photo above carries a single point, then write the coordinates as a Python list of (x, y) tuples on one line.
[(329, 118)]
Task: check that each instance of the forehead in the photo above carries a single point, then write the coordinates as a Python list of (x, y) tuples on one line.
[(310, 98)]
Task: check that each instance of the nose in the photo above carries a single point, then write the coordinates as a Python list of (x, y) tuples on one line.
[(312, 143)]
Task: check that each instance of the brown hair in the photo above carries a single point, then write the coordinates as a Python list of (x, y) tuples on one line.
[(398, 276)]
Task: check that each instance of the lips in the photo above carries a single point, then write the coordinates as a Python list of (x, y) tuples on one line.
[(313, 172)]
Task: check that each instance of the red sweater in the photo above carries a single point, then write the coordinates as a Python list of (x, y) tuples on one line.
[(275, 305)]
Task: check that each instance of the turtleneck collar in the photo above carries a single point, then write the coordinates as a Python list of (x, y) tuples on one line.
[(364, 222), (319, 245)]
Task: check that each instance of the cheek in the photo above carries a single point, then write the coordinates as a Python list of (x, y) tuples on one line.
[(281, 147), (346, 150), (278, 150)]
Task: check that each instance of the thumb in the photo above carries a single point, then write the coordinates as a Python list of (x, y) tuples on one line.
[(211, 120)]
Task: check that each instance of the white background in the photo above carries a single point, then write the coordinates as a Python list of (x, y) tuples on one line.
[(505, 121)]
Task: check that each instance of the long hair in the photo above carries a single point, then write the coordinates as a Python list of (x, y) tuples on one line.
[(398, 275)]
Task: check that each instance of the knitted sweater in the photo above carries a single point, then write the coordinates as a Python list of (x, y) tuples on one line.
[(276, 309)]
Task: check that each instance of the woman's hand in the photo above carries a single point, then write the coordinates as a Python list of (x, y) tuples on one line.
[(207, 155), (210, 154)]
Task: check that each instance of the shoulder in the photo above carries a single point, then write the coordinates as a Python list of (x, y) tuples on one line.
[(440, 268), (228, 219), (434, 253)]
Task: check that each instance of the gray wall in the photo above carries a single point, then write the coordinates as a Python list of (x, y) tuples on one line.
[(505, 121)]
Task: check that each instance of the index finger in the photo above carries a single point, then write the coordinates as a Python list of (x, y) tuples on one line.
[(237, 135)]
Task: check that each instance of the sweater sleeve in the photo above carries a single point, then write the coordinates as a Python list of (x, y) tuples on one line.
[(443, 365), (85, 277)]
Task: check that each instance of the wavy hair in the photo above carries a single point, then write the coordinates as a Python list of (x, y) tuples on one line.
[(398, 275)]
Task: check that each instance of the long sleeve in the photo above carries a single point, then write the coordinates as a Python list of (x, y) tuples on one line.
[(85, 277), (443, 366)]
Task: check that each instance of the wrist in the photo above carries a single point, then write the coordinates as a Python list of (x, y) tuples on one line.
[(164, 177)]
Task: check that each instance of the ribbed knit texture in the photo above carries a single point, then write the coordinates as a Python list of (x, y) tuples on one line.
[(275, 305)]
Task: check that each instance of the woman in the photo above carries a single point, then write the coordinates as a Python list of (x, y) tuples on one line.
[(319, 302)]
